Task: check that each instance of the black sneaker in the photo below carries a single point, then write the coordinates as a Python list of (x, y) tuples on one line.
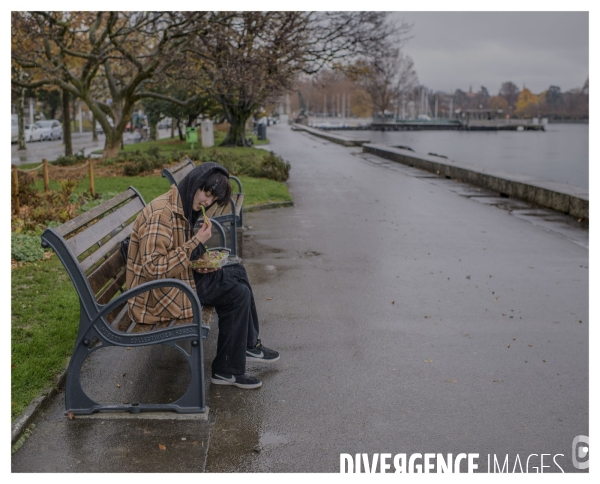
[(261, 354), (240, 381)]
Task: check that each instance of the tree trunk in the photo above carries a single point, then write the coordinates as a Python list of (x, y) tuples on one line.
[(94, 130), (181, 135), (21, 113), (67, 123), (153, 131), (237, 130), (113, 144)]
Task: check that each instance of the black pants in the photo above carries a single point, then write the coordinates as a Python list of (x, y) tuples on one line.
[(229, 291)]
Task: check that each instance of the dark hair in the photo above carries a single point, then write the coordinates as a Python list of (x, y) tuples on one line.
[(218, 185)]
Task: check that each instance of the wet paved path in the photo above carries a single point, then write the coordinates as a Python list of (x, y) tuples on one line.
[(412, 316)]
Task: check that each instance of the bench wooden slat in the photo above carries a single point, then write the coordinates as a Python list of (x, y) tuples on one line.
[(148, 328), (164, 324), (91, 235), (106, 271), (179, 171), (80, 221), (115, 287), (239, 200), (105, 249), (216, 210), (180, 175), (119, 317)]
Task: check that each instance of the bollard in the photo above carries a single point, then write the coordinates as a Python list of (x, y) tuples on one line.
[(15, 189), (92, 190), (45, 174)]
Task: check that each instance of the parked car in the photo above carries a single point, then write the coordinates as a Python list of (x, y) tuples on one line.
[(32, 133), (51, 129)]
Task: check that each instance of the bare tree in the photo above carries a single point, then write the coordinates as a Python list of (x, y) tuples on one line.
[(251, 58), (386, 78), (104, 58)]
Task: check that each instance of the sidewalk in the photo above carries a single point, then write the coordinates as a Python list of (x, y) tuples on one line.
[(411, 316)]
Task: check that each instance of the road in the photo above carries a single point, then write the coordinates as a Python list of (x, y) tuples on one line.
[(412, 316), (50, 150)]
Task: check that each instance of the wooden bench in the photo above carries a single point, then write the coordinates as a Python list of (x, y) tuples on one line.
[(89, 246), (231, 214)]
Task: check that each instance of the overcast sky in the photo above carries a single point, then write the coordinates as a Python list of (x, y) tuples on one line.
[(455, 50)]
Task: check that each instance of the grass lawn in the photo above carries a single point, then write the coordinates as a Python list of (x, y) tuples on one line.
[(257, 191), (44, 321)]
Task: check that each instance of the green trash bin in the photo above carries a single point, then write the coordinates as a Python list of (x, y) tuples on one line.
[(191, 135)]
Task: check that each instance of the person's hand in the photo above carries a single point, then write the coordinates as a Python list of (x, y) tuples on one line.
[(204, 233)]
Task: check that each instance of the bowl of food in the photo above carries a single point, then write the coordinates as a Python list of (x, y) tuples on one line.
[(211, 259)]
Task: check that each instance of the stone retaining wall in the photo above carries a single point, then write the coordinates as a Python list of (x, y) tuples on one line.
[(335, 138), (557, 196)]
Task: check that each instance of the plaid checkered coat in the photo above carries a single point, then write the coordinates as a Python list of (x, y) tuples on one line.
[(160, 247)]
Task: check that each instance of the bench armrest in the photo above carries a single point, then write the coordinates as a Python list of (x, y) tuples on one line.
[(237, 180), (147, 286), (218, 226)]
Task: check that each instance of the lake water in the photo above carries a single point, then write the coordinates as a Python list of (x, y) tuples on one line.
[(559, 154)]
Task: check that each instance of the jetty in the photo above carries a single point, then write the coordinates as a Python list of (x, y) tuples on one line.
[(464, 120)]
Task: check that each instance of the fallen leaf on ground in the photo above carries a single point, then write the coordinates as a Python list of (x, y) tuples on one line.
[(428, 361), (269, 298), (451, 381), (118, 386), (71, 415), (394, 302), (162, 447), (530, 345)]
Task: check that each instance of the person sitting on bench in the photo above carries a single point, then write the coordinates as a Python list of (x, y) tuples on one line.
[(162, 246)]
